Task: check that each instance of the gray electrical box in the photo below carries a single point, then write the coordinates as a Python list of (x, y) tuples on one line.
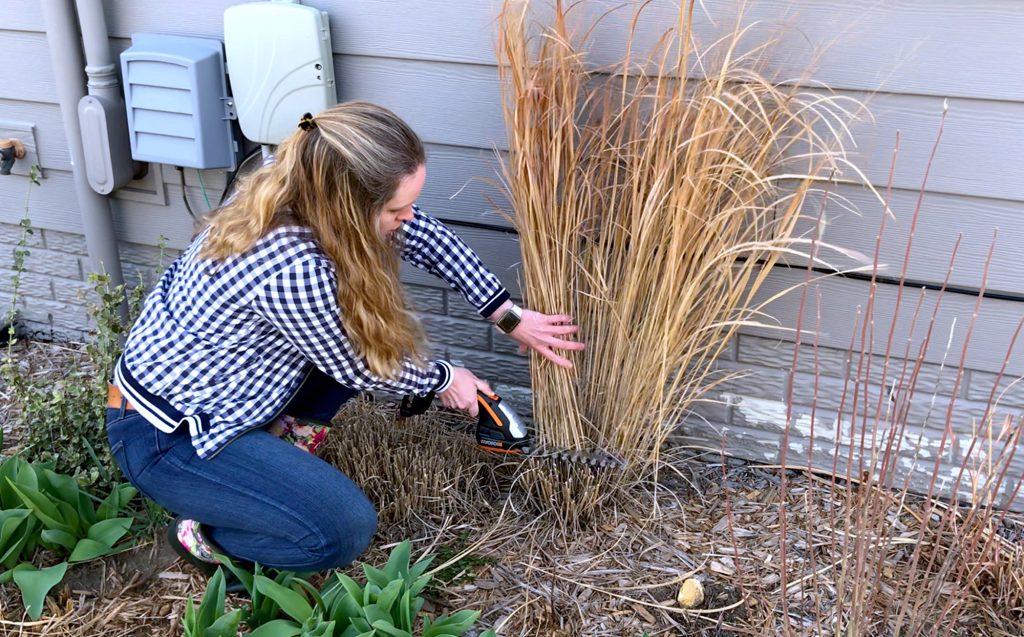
[(176, 95)]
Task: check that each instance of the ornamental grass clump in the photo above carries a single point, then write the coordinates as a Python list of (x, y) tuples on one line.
[(418, 467), (651, 205)]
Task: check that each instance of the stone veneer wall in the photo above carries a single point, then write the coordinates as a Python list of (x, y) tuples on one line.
[(746, 416)]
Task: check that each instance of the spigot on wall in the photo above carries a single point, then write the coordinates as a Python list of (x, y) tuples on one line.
[(10, 149)]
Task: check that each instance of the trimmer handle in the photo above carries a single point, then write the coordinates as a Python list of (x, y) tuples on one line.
[(499, 428), (414, 405), (418, 405)]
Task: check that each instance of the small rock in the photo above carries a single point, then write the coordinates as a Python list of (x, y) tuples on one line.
[(691, 594)]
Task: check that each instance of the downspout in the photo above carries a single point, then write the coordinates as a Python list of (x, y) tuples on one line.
[(66, 59)]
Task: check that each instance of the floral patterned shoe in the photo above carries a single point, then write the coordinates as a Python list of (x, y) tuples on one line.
[(187, 539), (304, 434)]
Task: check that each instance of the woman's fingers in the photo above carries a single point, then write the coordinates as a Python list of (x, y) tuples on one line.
[(560, 343), (547, 353), (562, 329), (543, 332), (447, 400), (450, 401), (483, 386), (462, 392)]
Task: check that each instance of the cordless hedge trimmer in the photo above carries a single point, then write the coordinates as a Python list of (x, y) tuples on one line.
[(499, 429)]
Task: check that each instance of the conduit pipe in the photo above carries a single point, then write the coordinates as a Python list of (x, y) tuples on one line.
[(100, 69), (66, 59)]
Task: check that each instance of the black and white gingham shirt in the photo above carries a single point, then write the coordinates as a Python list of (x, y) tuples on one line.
[(227, 344)]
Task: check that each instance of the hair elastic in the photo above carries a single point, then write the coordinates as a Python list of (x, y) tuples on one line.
[(307, 123)]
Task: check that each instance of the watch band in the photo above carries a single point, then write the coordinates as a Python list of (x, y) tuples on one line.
[(510, 319)]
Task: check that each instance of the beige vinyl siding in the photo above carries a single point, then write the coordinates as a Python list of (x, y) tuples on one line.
[(434, 64)]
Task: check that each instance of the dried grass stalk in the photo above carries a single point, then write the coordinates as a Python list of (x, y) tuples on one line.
[(420, 467), (894, 562), (649, 208)]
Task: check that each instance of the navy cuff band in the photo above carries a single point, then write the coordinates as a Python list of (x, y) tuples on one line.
[(447, 375), (492, 306)]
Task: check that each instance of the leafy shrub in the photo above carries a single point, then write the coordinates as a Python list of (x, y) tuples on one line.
[(388, 605), (64, 418), (40, 508)]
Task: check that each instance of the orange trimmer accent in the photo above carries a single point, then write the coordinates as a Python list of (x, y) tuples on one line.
[(485, 405), (514, 452)]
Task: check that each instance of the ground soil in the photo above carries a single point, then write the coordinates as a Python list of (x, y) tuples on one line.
[(618, 575)]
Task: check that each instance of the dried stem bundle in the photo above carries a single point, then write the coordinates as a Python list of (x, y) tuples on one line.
[(649, 207), (905, 564), (418, 468)]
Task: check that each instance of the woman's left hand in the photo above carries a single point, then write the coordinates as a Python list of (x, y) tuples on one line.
[(543, 334)]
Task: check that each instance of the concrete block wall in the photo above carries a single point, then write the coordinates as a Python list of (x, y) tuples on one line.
[(458, 333), (54, 295), (54, 292), (939, 412)]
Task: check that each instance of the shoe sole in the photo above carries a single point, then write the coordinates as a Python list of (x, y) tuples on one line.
[(232, 584)]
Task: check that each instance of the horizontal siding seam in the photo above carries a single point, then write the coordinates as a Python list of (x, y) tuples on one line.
[(930, 191)]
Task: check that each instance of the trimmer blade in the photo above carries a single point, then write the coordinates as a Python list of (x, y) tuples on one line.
[(594, 458)]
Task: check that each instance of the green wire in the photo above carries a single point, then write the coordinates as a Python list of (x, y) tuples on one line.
[(202, 187)]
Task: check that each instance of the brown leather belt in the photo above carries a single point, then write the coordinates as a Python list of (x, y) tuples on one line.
[(115, 399)]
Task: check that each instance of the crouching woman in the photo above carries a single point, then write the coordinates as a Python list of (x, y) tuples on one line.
[(285, 306)]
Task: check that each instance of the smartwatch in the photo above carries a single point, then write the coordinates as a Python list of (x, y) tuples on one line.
[(510, 319)]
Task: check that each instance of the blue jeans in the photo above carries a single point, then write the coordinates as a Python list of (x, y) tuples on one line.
[(260, 498)]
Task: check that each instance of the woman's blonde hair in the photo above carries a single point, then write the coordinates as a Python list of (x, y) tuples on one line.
[(333, 176)]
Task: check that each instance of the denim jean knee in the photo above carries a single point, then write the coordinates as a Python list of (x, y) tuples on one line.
[(348, 536)]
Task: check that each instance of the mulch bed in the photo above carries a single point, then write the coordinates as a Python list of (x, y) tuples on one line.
[(711, 518)]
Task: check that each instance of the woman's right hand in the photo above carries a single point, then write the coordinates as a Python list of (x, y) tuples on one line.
[(461, 394)]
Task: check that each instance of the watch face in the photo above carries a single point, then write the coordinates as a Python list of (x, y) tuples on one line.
[(508, 321)]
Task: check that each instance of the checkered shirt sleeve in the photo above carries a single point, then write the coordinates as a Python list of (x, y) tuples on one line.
[(432, 247)]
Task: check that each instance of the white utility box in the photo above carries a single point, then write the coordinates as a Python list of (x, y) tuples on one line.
[(280, 66)]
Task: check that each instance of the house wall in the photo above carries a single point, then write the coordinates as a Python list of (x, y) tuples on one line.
[(434, 64)]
